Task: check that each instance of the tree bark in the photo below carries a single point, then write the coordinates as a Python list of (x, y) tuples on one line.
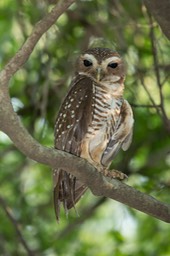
[(161, 12)]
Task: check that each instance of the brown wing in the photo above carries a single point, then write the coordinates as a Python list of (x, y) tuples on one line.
[(71, 126), (120, 134)]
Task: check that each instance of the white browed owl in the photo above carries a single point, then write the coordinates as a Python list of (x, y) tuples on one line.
[(94, 121)]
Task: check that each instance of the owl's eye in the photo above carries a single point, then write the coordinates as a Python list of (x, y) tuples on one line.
[(87, 63), (113, 65)]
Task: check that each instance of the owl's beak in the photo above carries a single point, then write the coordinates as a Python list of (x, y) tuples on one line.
[(98, 74)]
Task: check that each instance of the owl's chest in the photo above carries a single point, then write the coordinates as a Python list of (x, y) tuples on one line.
[(105, 119), (106, 112)]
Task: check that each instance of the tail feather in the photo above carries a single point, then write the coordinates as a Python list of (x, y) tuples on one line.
[(67, 190)]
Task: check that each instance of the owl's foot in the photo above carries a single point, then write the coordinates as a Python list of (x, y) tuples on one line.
[(114, 174)]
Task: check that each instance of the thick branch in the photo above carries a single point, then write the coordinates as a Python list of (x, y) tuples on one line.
[(39, 29), (12, 126), (161, 12)]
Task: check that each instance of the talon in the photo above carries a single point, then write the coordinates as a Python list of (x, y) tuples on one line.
[(114, 174)]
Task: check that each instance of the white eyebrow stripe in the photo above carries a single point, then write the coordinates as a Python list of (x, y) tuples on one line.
[(111, 59), (90, 57)]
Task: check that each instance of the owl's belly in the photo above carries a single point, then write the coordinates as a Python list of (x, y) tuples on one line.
[(93, 146), (105, 117), (98, 144), (96, 140)]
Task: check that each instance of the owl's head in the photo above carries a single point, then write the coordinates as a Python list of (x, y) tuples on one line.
[(101, 64)]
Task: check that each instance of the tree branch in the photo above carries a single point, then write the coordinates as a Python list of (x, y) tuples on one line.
[(161, 12), (157, 107), (144, 105), (16, 227), (157, 73), (39, 29), (11, 124), (98, 184)]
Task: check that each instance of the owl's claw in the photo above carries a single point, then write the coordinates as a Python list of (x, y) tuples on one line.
[(114, 174)]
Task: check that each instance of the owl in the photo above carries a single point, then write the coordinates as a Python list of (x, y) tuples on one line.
[(94, 121)]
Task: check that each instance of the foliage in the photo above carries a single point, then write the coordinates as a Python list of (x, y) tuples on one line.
[(104, 227)]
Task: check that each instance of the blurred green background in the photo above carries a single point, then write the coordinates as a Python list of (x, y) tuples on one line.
[(103, 227)]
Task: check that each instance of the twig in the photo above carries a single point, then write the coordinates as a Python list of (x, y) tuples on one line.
[(156, 67), (149, 95), (16, 226), (144, 106)]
